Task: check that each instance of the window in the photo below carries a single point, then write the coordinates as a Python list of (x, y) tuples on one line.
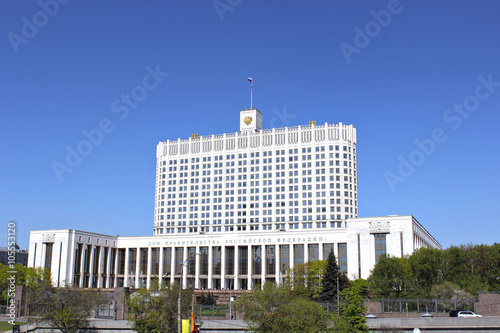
[(270, 260), (167, 256), (256, 257), (313, 251), (327, 248), (380, 246), (342, 257), (298, 253), (284, 259), (48, 255), (216, 260)]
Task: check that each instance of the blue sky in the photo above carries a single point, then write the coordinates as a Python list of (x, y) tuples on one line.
[(420, 80)]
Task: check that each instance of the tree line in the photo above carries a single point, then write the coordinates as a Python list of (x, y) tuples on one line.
[(67, 309), (298, 305), (459, 271)]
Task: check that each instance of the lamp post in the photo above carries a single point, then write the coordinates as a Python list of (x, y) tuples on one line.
[(338, 297), (179, 318), (230, 299)]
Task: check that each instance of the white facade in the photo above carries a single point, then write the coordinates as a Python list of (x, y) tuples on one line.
[(226, 260), (236, 210), (292, 178)]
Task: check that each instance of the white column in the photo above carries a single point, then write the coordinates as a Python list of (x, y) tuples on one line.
[(292, 255), (249, 279), (160, 267), (223, 267), (148, 269), (306, 252), (210, 259), (44, 249), (127, 267), (184, 269), (197, 269), (137, 266), (371, 249), (277, 269), (108, 268), (116, 267), (320, 251), (61, 270), (172, 265), (91, 266), (99, 267), (71, 256), (236, 260), (262, 264), (82, 264)]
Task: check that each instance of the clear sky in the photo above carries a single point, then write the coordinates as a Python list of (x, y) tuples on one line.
[(420, 80)]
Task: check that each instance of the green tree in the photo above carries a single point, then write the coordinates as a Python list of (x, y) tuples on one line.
[(207, 300), (275, 308), (330, 277), (472, 267), (67, 309), (155, 310), (389, 277), (20, 276), (450, 291), (361, 287), (305, 279), (452, 264), (481, 267), (299, 315), (426, 271), (351, 311)]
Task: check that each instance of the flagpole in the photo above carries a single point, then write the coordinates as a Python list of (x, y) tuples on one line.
[(251, 92)]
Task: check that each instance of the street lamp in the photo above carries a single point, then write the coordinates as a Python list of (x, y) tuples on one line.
[(338, 296), (230, 299), (179, 319)]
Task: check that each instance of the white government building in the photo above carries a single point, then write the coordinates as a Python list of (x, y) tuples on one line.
[(236, 210)]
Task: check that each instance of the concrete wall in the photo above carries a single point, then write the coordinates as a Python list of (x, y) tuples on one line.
[(443, 325), (488, 305)]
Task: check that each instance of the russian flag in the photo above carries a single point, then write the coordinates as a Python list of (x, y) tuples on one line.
[(250, 79)]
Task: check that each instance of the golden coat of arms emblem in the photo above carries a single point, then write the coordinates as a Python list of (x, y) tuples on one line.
[(247, 120)]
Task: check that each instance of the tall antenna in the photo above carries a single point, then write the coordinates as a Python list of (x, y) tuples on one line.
[(251, 91)]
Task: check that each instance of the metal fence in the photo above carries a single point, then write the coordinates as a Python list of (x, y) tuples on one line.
[(415, 305), (106, 311), (214, 311), (425, 305)]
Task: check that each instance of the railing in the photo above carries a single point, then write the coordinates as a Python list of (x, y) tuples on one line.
[(106, 311), (213, 311), (264, 137), (424, 305)]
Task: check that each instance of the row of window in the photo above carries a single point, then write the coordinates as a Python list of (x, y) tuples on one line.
[(267, 161), (306, 172), (242, 181), (265, 154), (321, 222)]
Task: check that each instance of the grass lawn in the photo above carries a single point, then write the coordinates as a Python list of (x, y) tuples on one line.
[(5, 326)]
